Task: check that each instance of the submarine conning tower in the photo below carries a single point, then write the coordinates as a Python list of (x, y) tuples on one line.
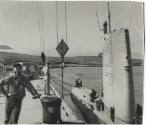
[(118, 86)]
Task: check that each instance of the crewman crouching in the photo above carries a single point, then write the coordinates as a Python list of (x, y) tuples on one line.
[(13, 87), (78, 82)]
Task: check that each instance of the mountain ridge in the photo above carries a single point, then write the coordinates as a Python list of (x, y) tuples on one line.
[(10, 58), (5, 47)]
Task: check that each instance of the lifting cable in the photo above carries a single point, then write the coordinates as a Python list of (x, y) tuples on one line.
[(41, 25), (66, 20), (42, 17), (57, 29), (57, 21)]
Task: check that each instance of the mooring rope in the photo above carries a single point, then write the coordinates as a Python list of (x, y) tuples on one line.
[(60, 85), (60, 81)]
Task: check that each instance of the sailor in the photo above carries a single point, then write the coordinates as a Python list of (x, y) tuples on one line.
[(112, 111), (13, 87), (105, 27), (78, 82), (46, 77), (100, 105), (139, 113), (93, 95)]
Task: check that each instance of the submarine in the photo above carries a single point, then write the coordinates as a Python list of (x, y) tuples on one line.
[(116, 103)]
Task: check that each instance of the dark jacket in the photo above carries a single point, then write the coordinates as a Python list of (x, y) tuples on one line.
[(15, 86)]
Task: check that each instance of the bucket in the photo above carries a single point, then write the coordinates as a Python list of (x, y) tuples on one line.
[(51, 109)]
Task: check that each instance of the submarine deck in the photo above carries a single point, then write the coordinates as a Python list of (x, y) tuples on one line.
[(82, 95)]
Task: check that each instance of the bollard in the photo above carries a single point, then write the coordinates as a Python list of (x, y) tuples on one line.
[(51, 109)]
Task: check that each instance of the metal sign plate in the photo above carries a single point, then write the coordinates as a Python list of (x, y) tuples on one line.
[(62, 48)]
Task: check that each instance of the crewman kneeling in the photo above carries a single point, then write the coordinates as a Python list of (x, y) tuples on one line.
[(78, 83), (101, 105)]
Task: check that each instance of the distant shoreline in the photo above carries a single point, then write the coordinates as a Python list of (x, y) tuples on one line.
[(87, 61)]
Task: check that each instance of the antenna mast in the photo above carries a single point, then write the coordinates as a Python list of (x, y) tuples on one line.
[(98, 22), (109, 18)]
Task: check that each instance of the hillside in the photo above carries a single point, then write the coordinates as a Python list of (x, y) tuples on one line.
[(5, 47), (10, 58)]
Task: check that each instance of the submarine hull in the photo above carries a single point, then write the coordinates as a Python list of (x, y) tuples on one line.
[(88, 114)]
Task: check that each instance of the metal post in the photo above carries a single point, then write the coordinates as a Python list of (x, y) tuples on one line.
[(62, 48), (48, 79), (62, 67)]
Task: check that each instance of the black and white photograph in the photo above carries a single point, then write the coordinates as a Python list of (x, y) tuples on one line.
[(71, 62)]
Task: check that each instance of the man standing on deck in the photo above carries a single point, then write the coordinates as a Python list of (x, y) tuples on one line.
[(13, 87)]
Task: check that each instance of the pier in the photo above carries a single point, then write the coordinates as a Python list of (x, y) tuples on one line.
[(31, 112)]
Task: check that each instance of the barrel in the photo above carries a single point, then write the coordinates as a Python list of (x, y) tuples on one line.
[(51, 109)]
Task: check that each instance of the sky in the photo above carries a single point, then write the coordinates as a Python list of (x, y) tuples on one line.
[(19, 26)]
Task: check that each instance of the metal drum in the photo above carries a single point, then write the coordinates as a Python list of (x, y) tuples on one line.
[(51, 109)]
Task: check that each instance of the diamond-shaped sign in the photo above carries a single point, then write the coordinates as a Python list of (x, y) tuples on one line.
[(62, 48)]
